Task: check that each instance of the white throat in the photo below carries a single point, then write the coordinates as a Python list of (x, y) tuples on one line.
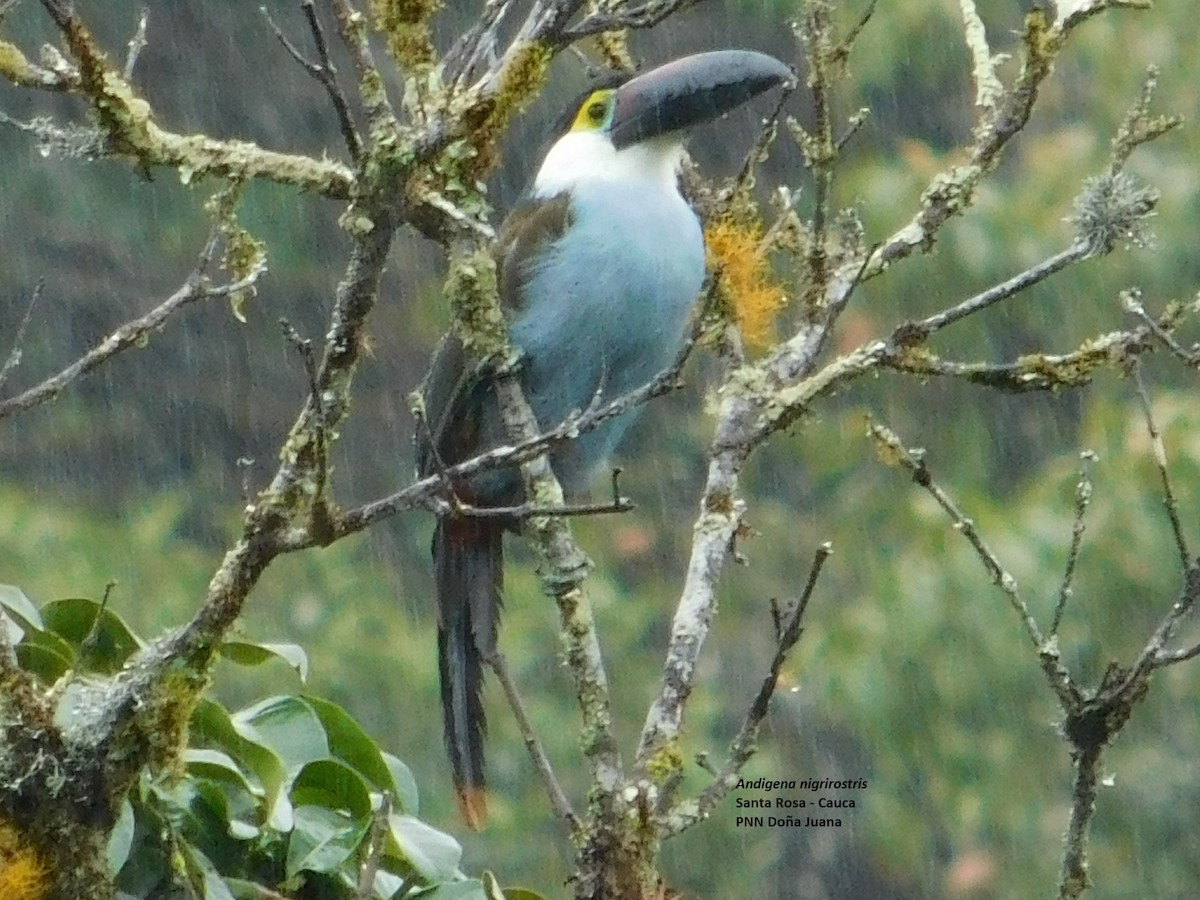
[(590, 157)]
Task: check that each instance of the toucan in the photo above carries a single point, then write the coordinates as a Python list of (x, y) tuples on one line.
[(599, 266)]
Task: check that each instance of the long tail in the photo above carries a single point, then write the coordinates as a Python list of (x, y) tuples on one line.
[(468, 560)]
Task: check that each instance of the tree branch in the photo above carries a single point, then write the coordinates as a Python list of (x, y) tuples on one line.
[(789, 628), (134, 332)]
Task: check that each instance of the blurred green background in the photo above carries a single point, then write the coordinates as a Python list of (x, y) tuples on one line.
[(913, 672)]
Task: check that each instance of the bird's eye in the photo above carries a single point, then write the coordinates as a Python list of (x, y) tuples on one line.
[(594, 113)]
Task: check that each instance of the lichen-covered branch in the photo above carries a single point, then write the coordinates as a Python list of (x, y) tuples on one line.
[(134, 332), (130, 129), (1092, 718)]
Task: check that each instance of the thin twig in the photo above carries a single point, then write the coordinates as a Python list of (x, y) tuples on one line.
[(537, 753), (377, 844), (1076, 252), (1169, 657), (136, 44), (892, 451), (1073, 880), (1155, 653), (352, 26), (304, 348), (767, 133), (133, 332), (324, 72), (14, 354), (1160, 461), (1083, 496), (788, 629), (645, 16), (88, 645), (1132, 300), (842, 52), (527, 510)]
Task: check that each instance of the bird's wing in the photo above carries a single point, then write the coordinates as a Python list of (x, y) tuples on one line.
[(456, 387), (532, 226)]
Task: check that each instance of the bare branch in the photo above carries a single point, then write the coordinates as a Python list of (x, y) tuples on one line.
[(951, 192), (789, 627), (1132, 301), (128, 122), (1170, 657), (892, 452), (988, 88), (1073, 879), (645, 16), (324, 72), (1160, 462), (537, 753), (721, 510), (1155, 654), (136, 44), (1083, 497), (14, 354), (1139, 127), (59, 77), (564, 567), (133, 332), (1031, 372), (1002, 291), (528, 510)]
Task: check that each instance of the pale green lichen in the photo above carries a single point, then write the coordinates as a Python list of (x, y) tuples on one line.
[(15, 67), (405, 25), (244, 254), (473, 291)]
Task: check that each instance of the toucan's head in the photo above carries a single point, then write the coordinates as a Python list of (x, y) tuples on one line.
[(635, 129)]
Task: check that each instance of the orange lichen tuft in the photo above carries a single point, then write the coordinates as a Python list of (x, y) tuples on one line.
[(735, 251), (23, 875)]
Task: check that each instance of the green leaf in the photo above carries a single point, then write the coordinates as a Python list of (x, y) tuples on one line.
[(249, 890), (471, 889), (322, 839), (406, 785), (252, 653), (491, 887), (217, 766), (20, 608), (286, 725), (46, 655), (211, 724), (201, 872), (351, 744), (332, 784), (388, 884), (522, 894), (121, 838), (77, 619), (432, 854)]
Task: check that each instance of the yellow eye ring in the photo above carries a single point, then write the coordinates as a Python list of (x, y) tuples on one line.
[(595, 112)]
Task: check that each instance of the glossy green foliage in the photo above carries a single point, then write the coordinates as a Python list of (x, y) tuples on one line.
[(289, 795)]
